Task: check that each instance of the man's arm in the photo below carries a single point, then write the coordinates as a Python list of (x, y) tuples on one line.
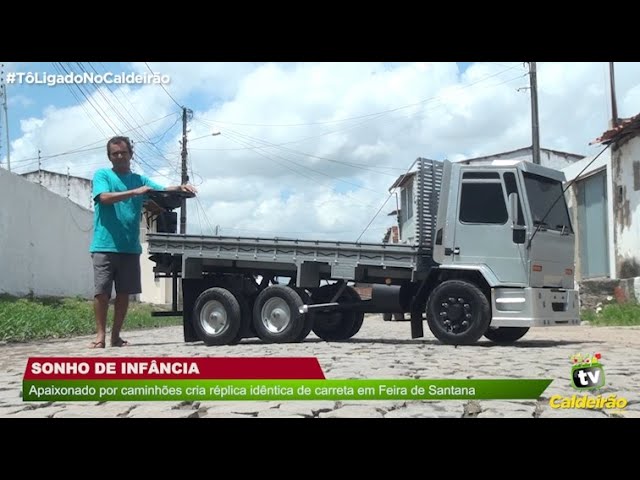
[(174, 188), (115, 197)]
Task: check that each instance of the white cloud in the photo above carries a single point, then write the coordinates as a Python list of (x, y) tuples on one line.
[(310, 150)]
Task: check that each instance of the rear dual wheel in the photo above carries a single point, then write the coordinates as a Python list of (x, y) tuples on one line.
[(277, 317)]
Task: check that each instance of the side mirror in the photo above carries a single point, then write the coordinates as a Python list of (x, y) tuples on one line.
[(519, 232)]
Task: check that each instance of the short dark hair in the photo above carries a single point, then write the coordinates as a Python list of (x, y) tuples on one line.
[(119, 139)]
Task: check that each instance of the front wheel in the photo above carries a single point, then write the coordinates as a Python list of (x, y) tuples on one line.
[(505, 335), (458, 312)]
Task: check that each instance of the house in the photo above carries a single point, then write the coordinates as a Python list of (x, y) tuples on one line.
[(79, 191), (405, 199), (548, 158), (605, 201), (76, 189), (404, 184)]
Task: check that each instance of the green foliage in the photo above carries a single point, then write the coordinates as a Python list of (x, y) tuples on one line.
[(23, 319), (614, 314)]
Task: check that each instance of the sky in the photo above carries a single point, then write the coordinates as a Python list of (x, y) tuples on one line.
[(300, 150)]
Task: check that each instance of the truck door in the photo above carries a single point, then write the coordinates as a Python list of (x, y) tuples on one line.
[(483, 229)]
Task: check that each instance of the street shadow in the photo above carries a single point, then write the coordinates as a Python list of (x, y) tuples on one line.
[(423, 341)]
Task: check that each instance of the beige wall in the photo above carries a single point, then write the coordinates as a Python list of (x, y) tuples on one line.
[(154, 290)]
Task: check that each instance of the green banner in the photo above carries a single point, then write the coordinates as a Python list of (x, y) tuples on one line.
[(351, 389)]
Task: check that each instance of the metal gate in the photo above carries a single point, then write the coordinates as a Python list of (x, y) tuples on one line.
[(592, 222)]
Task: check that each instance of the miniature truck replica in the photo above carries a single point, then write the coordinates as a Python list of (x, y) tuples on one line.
[(492, 255)]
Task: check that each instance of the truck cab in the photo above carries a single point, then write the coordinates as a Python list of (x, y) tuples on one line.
[(511, 224)]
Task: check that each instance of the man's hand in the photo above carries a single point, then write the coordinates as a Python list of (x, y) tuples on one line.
[(188, 188), (182, 188)]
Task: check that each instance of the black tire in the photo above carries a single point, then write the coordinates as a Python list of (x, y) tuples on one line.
[(336, 325), (458, 313), (276, 315), (505, 335), (217, 318), (246, 313), (387, 317)]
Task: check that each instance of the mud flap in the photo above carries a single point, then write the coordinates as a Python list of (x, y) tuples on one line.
[(416, 324)]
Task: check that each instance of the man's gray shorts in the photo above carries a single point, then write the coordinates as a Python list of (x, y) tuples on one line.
[(121, 268)]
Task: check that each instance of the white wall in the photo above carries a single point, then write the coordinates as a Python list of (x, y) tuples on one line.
[(627, 208), (44, 241)]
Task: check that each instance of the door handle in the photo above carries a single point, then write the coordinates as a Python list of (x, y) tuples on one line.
[(452, 251)]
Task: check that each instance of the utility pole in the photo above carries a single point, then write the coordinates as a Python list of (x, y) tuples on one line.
[(39, 168), (185, 178), (3, 94), (614, 105), (535, 126)]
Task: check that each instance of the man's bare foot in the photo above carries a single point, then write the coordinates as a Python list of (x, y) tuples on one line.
[(119, 342)]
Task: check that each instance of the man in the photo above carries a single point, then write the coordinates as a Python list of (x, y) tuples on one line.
[(118, 196)]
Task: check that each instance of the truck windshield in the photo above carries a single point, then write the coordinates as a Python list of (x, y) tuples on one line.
[(542, 193)]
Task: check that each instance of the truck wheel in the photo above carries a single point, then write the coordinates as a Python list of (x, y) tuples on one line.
[(276, 315), (505, 335), (458, 312), (336, 325), (216, 317), (387, 317)]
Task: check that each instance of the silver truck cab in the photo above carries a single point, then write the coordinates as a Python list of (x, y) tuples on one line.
[(511, 223)]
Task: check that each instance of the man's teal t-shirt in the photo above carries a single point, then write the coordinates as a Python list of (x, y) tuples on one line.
[(116, 228)]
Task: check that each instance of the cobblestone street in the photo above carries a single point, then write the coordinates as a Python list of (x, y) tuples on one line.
[(381, 350)]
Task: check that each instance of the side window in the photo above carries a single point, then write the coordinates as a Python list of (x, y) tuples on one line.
[(510, 183), (483, 203)]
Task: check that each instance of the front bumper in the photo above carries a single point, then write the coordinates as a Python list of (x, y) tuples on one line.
[(534, 307)]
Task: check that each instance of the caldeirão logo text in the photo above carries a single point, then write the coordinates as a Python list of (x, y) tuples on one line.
[(587, 373)]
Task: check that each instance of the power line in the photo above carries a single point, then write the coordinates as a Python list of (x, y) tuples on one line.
[(167, 91), (382, 112)]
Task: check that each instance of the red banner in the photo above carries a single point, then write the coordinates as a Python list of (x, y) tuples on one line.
[(229, 368)]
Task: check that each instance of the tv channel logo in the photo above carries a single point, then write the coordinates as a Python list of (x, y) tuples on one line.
[(587, 373)]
